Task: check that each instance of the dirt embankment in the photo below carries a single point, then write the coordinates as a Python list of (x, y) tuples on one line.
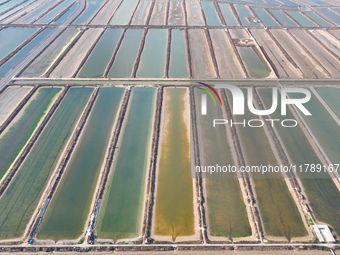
[(189, 53), (58, 173), (139, 54), (11, 173), (255, 218), (151, 183), (167, 57), (211, 49), (199, 181), (166, 250)]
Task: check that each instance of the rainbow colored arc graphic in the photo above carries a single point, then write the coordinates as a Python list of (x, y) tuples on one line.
[(209, 93)]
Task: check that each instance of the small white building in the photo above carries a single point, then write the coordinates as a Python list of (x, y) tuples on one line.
[(323, 233)]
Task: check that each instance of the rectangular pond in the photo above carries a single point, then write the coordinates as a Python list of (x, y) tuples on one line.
[(124, 12), (255, 67), (123, 64), (76, 189), (121, 210), (178, 64), (226, 211), (153, 57), (174, 207), (210, 14), (99, 58), (228, 15)]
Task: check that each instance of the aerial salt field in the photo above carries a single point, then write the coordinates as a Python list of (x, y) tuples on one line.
[(113, 137)]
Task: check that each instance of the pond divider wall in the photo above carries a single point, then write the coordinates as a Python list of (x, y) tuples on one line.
[(96, 13), (52, 185), (185, 13), (104, 175), (212, 53), (203, 235), (251, 201), (168, 54), (19, 160), (150, 188), (270, 61), (167, 13), (188, 52), (114, 13), (232, 7), (219, 13), (162, 248), (139, 54), (18, 109), (262, 57), (150, 12)]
